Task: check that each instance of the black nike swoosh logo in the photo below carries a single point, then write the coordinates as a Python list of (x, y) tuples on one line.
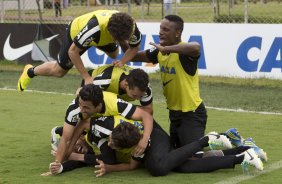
[(165, 83), (21, 87), (252, 158)]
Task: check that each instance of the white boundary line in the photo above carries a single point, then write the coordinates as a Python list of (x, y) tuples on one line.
[(215, 108), (239, 178)]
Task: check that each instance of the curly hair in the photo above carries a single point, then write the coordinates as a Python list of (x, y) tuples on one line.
[(138, 78), (125, 135), (120, 26), (92, 93)]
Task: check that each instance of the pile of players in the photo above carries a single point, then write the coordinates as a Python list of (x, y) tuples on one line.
[(103, 129)]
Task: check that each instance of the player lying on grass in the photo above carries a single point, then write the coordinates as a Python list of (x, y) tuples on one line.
[(129, 84), (88, 147), (93, 102), (160, 158)]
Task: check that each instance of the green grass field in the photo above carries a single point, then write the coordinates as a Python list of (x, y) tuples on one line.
[(27, 118)]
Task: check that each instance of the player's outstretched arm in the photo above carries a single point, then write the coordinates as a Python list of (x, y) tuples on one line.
[(76, 60), (106, 168), (190, 49), (147, 119)]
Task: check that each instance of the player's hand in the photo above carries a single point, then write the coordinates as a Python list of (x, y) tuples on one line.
[(160, 48), (101, 168), (118, 63), (55, 167), (46, 174), (88, 80), (141, 147)]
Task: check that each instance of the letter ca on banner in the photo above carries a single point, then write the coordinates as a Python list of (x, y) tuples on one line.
[(272, 60)]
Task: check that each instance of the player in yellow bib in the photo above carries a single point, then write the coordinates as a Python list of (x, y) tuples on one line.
[(94, 144), (92, 102), (128, 83), (178, 62), (103, 29)]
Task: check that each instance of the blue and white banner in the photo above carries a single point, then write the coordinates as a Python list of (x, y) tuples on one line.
[(232, 50)]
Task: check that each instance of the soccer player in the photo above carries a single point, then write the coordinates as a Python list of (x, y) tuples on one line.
[(178, 62), (104, 29), (160, 158), (92, 102), (129, 84), (89, 147)]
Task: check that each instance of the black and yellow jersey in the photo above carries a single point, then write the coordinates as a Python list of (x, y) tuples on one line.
[(108, 78), (101, 128), (112, 106), (178, 72), (91, 30)]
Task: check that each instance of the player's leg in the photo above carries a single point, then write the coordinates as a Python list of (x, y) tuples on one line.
[(189, 126), (51, 68), (161, 158)]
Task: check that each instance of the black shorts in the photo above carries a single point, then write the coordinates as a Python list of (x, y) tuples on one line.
[(63, 57)]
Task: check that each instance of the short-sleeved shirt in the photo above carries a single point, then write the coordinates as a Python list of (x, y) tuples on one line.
[(109, 77), (73, 114)]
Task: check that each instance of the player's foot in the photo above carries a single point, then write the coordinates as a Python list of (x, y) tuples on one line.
[(55, 139), (251, 158), (234, 137), (24, 79), (217, 141), (251, 143)]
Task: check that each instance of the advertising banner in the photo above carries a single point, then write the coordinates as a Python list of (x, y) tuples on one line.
[(231, 50)]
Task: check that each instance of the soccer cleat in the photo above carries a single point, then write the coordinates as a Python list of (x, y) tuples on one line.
[(24, 79), (251, 143), (55, 139), (234, 137), (251, 158), (217, 141)]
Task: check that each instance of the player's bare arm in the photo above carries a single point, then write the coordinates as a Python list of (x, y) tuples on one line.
[(64, 142), (141, 57), (128, 56), (147, 120), (106, 168), (191, 48), (78, 131), (76, 60)]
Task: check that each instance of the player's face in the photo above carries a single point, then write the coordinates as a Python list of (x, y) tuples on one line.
[(134, 93), (80, 146), (111, 144), (87, 108), (168, 33)]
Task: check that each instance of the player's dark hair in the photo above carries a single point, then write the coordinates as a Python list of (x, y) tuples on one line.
[(92, 93), (125, 135), (120, 26), (177, 20), (138, 78)]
